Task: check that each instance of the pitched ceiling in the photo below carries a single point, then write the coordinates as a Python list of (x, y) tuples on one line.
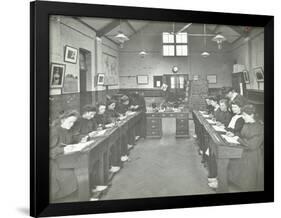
[(110, 27)]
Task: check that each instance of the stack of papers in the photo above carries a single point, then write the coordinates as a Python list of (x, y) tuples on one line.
[(219, 128), (76, 147), (229, 139), (210, 121)]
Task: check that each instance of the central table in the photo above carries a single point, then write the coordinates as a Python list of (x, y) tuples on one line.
[(154, 123)]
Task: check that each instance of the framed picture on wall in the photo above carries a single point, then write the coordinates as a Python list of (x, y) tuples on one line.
[(57, 75), (101, 78), (83, 170), (246, 76), (258, 71), (142, 79), (70, 54), (212, 79)]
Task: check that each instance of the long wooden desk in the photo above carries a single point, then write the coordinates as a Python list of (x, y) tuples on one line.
[(154, 123), (224, 151), (93, 162)]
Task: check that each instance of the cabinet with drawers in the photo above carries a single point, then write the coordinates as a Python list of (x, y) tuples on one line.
[(182, 127), (153, 127), (154, 123)]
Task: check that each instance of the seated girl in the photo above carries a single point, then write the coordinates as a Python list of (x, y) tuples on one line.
[(236, 123), (216, 107), (209, 107), (111, 114), (63, 181), (100, 117), (123, 107), (86, 124), (223, 116), (247, 172)]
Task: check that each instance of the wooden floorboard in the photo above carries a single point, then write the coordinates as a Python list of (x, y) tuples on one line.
[(161, 167)]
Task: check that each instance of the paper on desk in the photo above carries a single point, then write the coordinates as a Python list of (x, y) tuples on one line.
[(229, 139), (219, 128), (100, 133), (210, 121), (202, 112), (76, 147), (131, 113), (122, 117), (206, 115)]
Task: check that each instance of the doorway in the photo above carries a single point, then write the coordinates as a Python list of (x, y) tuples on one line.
[(85, 66)]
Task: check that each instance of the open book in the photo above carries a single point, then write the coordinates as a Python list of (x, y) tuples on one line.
[(76, 147), (211, 121)]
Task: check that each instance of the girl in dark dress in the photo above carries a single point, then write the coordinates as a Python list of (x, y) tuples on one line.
[(111, 114), (209, 107), (63, 181), (236, 123), (86, 124), (247, 172), (100, 117), (124, 105), (223, 116)]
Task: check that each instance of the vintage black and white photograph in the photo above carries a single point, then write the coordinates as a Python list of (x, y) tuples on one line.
[(172, 112), (57, 75), (259, 74), (70, 54)]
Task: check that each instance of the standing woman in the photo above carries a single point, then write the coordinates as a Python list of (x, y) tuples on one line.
[(248, 171), (63, 181), (236, 123)]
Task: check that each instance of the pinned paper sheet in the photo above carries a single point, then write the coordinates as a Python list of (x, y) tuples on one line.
[(76, 147), (229, 139), (219, 128), (210, 121)]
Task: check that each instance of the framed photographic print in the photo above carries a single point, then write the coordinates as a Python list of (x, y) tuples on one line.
[(246, 77), (128, 145), (57, 75), (142, 79), (259, 74), (100, 79), (212, 79), (70, 54)]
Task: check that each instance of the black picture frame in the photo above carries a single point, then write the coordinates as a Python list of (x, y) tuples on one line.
[(39, 108), (70, 54), (142, 79), (259, 74), (57, 81), (246, 76)]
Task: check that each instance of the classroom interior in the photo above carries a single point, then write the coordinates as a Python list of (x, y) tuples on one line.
[(189, 58)]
